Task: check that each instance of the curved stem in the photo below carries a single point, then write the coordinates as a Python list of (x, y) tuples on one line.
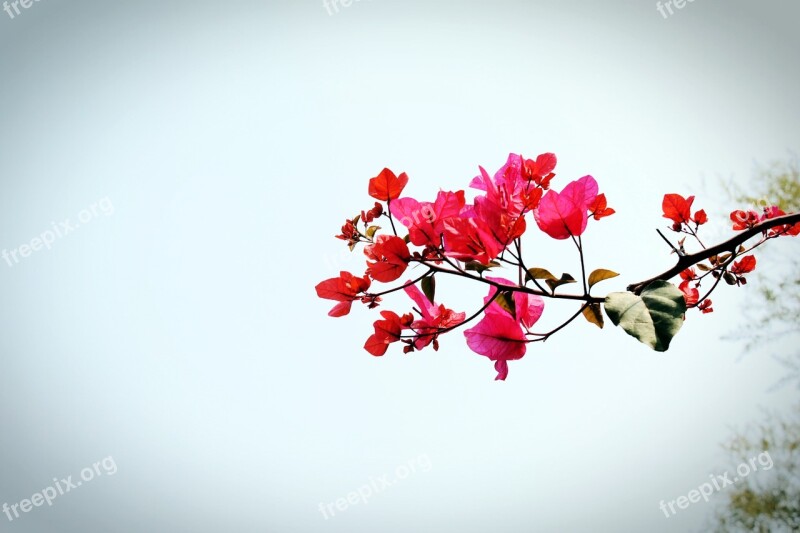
[(579, 244), (518, 245), (472, 317), (403, 286), (693, 233), (545, 336), (391, 218), (511, 288)]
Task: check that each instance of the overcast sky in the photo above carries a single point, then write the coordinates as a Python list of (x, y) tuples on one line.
[(217, 147)]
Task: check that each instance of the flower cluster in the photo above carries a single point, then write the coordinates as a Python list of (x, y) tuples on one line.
[(454, 235), (679, 210), (724, 265), (451, 235), (743, 220)]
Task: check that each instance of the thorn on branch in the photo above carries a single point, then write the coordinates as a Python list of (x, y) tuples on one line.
[(679, 252)]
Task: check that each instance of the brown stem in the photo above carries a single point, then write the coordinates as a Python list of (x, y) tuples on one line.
[(545, 336), (391, 219), (511, 288), (466, 321), (403, 286)]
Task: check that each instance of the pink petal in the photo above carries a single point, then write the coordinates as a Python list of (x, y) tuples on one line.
[(482, 182), (497, 336), (528, 307), (564, 214), (425, 306), (403, 210), (501, 365)]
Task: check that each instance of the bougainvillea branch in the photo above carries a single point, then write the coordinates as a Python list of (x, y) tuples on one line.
[(453, 238), (689, 260)]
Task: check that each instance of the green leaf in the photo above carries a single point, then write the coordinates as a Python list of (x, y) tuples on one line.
[(553, 283), (371, 231), (599, 275), (539, 273), (654, 318), (429, 287), (479, 267), (506, 300), (594, 314), (703, 267)]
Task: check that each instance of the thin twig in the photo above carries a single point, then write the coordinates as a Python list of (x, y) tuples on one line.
[(670, 244), (545, 336)]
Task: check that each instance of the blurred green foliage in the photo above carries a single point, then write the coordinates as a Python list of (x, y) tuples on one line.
[(770, 501)]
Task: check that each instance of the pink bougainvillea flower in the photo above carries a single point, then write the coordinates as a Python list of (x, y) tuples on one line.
[(344, 289), (470, 239), (500, 335), (500, 209), (528, 307), (515, 188), (505, 185), (772, 212), (501, 367), (434, 317), (425, 220), (505, 188), (563, 215), (517, 172), (500, 338), (503, 224), (390, 257)]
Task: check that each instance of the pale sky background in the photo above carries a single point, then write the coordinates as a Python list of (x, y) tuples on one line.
[(182, 336)]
